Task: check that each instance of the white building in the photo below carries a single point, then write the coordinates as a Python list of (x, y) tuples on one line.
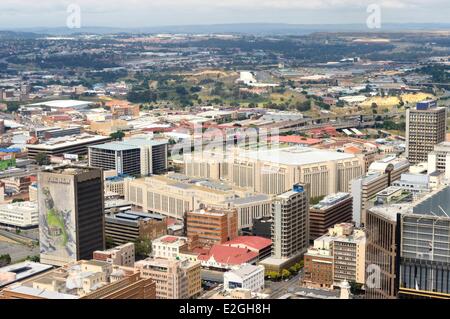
[(246, 277), (19, 215), (169, 246)]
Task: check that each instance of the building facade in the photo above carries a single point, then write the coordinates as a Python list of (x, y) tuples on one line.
[(71, 214), (426, 126)]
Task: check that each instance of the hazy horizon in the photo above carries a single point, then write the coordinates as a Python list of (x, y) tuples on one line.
[(21, 14)]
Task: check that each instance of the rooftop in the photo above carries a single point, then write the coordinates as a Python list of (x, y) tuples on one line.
[(255, 242), (295, 155)]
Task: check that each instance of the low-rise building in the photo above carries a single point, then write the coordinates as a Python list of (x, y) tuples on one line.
[(19, 215), (245, 277), (125, 227), (84, 280), (123, 255)]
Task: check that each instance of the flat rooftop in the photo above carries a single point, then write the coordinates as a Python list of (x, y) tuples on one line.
[(22, 271), (67, 141), (295, 155), (115, 146), (63, 104)]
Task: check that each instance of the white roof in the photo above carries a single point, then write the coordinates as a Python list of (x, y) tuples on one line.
[(296, 155), (64, 104)]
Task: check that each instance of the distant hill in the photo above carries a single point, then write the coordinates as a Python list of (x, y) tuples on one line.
[(249, 28)]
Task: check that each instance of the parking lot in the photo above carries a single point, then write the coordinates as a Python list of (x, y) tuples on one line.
[(16, 251)]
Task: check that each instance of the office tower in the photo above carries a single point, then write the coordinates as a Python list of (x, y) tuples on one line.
[(333, 209), (382, 252), (124, 159), (424, 247), (71, 214), (175, 279), (426, 126), (381, 174), (212, 226), (439, 159), (135, 156), (290, 228), (85, 279)]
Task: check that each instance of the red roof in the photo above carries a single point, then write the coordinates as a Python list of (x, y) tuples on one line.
[(296, 139), (253, 242), (229, 255), (169, 239)]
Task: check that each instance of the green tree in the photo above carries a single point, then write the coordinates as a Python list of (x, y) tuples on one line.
[(285, 274), (117, 136), (42, 159), (35, 259), (143, 248), (109, 242), (5, 260)]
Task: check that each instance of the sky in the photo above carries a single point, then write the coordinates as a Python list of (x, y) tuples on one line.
[(147, 13)]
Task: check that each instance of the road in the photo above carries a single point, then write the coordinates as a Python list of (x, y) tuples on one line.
[(280, 288)]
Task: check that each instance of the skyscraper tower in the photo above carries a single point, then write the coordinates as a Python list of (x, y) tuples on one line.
[(290, 228), (71, 214), (426, 126)]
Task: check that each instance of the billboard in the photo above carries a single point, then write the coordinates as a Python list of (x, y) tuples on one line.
[(57, 220)]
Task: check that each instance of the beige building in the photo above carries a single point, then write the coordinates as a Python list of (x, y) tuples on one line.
[(426, 126), (345, 248), (123, 255), (175, 279), (274, 171), (173, 195)]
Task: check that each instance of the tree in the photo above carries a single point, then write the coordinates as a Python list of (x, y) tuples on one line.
[(273, 275), (42, 159), (143, 247), (12, 107), (35, 259), (285, 274), (109, 242), (5, 260), (117, 136)]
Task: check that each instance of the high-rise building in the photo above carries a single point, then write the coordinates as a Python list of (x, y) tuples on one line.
[(424, 247), (382, 252), (135, 156), (123, 158), (212, 226), (426, 126), (333, 209), (381, 174), (290, 228), (71, 214)]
